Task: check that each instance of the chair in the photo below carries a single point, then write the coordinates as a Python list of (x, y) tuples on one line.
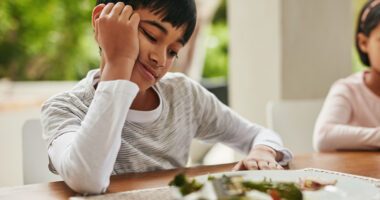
[(202, 153), (294, 120), (34, 154)]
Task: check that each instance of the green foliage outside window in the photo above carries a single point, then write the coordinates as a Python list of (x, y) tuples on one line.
[(46, 40), (53, 40), (216, 62)]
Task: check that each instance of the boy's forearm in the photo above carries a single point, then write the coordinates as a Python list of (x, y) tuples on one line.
[(120, 69), (87, 161)]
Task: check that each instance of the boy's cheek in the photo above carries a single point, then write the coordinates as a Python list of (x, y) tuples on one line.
[(169, 64)]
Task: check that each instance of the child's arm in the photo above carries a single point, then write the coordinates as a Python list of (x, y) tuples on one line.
[(218, 123), (332, 130), (83, 149)]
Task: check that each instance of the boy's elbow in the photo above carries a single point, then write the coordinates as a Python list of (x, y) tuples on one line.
[(82, 178), (88, 186), (85, 182)]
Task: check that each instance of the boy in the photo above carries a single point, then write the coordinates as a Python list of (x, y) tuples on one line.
[(128, 117)]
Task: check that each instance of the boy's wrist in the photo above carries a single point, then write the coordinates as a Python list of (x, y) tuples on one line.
[(276, 154), (120, 69), (120, 62)]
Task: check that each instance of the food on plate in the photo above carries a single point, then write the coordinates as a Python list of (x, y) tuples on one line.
[(238, 188), (313, 184), (184, 185)]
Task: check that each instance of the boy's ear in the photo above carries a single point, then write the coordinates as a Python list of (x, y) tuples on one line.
[(96, 13), (362, 42)]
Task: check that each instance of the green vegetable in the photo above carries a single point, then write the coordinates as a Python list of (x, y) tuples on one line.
[(185, 186), (210, 178)]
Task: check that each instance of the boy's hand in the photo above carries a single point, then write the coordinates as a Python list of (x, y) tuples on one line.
[(260, 157), (116, 31)]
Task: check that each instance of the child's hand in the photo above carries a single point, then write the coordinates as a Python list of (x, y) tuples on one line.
[(116, 31), (260, 157)]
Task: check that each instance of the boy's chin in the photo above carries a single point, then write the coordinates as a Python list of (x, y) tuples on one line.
[(143, 86), (142, 83)]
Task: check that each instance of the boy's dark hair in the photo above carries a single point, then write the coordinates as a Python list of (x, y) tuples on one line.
[(369, 19), (176, 12)]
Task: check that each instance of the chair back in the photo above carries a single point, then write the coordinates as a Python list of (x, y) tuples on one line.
[(34, 154), (202, 153)]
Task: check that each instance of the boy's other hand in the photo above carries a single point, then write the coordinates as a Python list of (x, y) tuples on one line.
[(116, 31), (260, 157)]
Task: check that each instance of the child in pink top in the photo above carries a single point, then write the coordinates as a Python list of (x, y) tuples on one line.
[(350, 117)]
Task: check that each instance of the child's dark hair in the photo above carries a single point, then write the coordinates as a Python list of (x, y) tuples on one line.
[(176, 12), (368, 20)]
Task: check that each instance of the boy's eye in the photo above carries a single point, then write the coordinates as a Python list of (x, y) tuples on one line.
[(173, 54), (148, 35)]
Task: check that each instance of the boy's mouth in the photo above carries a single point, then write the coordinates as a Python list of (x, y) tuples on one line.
[(149, 70)]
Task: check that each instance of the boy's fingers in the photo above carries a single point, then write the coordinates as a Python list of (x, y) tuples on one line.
[(117, 9), (237, 166), (275, 166), (272, 165), (126, 13), (263, 165), (279, 167), (135, 20), (250, 164), (106, 10)]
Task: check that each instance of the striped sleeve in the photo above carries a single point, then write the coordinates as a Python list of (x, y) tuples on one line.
[(83, 151), (218, 123)]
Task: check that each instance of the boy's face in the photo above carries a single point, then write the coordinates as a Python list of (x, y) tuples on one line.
[(159, 43)]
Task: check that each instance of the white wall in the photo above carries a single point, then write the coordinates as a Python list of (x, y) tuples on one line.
[(316, 46), (255, 55), (286, 49)]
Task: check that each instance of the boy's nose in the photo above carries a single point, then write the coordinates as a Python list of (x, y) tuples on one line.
[(157, 59)]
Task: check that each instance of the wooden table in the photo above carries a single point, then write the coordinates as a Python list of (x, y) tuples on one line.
[(358, 163)]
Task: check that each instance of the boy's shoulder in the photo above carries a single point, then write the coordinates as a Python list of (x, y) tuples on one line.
[(176, 76), (178, 84), (83, 91), (177, 79)]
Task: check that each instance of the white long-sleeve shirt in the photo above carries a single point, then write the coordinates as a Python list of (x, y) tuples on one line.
[(92, 134), (350, 117)]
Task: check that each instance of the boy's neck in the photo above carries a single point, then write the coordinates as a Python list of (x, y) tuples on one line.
[(146, 100), (372, 81)]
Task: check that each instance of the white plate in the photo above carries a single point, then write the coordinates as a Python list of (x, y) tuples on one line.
[(348, 187)]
